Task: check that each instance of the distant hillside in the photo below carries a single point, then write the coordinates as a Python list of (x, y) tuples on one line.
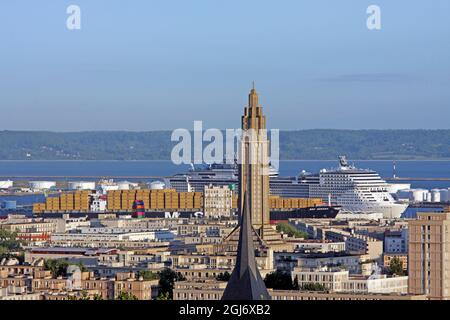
[(156, 145)]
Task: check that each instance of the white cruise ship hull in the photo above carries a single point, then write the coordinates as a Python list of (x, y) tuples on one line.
[(389, 211), (355, 190)]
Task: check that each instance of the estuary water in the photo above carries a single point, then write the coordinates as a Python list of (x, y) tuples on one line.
[(410, 169), (43, 169)]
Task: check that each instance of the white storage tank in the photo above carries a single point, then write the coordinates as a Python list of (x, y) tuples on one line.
[(134, 185), (157, 185), (427, 196), (6, 184), (109, 187), (126, 185), (42, 185), (81, 185), (435, 195), (123, 185), (417, 195), (444, 195)]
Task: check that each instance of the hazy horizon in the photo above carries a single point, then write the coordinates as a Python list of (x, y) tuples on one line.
[(205, 128)]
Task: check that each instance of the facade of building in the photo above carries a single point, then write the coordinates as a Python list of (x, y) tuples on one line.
[(32, 230), (429, 254), (218, 201), (340, 281), (117, 235), (289, 260), (402, 257), (213, 290), (223, 262), (66, 223), (320, 246), (357, 243), (396, 241), (254, 151), (206, 229), (20, 282), (18, 293)]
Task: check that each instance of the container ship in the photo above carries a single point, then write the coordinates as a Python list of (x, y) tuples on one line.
[(168, 203), (316, 212)]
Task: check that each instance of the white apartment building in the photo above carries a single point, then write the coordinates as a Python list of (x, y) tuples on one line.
[(320, 246), (357, 242), (340, 281), (218, 201), (161, 235), (396, 241)]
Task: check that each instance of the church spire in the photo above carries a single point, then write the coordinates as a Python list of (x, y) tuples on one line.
[(246, 282)]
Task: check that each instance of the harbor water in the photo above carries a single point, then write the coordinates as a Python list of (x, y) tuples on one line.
[(43, 169)]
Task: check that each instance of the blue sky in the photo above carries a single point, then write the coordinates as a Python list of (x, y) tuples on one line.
[(148, 65)]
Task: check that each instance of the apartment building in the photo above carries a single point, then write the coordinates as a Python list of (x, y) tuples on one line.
[(32, 230), (396, 241), (38, 281), (217, 201), (338, 280), (357, 243), (355, 263), (213, 290), (429, 249)]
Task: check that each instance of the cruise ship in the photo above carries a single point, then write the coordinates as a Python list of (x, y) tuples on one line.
[(355, 190), (222, 174), (216, 174), (352, 189)]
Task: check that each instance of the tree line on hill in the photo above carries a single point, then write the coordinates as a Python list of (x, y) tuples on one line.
[(319, 144)]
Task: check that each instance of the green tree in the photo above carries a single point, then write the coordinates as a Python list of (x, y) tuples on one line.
[(84, 295), (279, 280), (290, 230), (148, 275), (58, 267), (298, 144), (126, 296), (223, 276), (163, 296), (167, 278), (313, 287), (396, 267), (10, 243), (4, 252), (295, 285)]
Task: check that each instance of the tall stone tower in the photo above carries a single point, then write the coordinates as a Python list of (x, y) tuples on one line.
[(253, 190), (254, 149)]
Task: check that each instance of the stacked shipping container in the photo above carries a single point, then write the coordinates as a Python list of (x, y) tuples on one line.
[(78, 201), (164, 199), (276, 202)]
